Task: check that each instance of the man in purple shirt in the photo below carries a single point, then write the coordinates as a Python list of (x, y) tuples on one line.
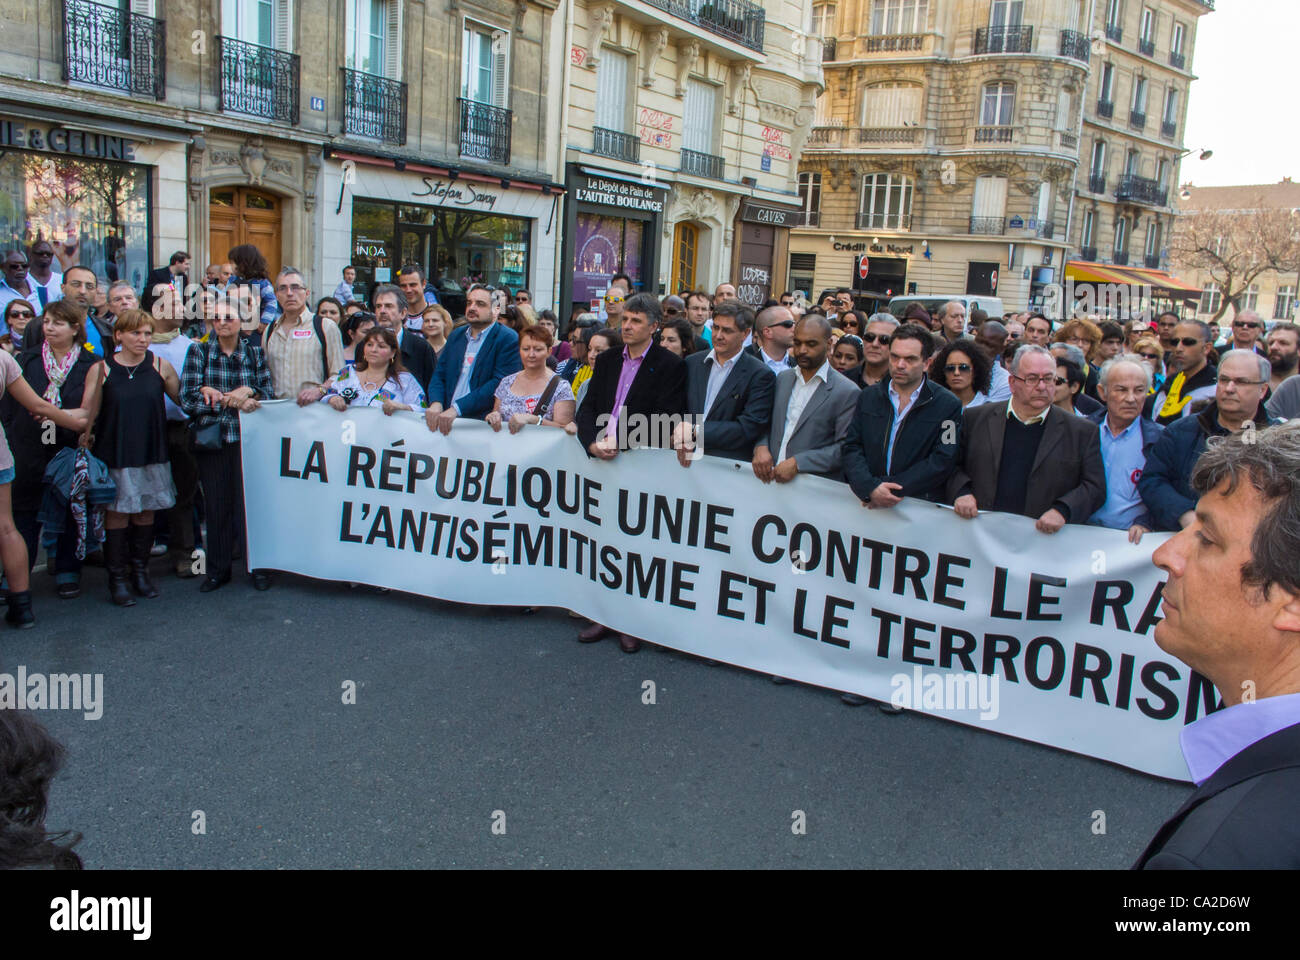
[(1232, 613)]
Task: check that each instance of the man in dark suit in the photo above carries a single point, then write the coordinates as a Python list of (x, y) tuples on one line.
[(728, 392), (474, 361), (418, 357), (1026, 455), (176, 274), (1231, 611), (636, 397)]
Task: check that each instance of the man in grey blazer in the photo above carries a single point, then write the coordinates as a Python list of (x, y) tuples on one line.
[(1026, 455), (811, 411), (728, 392)]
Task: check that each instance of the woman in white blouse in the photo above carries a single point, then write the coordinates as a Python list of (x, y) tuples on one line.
[(376, 379)]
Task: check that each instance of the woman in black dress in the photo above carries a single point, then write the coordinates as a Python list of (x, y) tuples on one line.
[(60, 369), (131, 439)]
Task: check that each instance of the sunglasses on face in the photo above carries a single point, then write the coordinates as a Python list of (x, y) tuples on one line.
[(1061, 381), (1248, 326), (614, 298), (1187, 342), (784, 323), (1150, 356), (957, 368), (884, 338)]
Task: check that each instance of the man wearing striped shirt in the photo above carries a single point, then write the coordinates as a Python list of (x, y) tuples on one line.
[(299, 360)]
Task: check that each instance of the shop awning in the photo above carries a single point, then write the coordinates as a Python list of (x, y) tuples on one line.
[(1162, 284), (1082, 271)]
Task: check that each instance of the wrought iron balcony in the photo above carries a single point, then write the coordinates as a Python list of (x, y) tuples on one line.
[(896, 43), (1088, 253), (884, 221), (619, 146), (374, 107), (1134, 189), (1119, 258), (1004, 40), (1075, 45), (1097, 183), (1045, 229), (1106, 108), (256, 80), (1069, 141), (1168, 128), (889, 134), (828, 49), (737, 20), (701, 164), (1177, 60), (1147, 47), (484, 131), (1151, 261), (1114, 32), (1001, 134), (1136, 120), (106, 46), (988, 225)]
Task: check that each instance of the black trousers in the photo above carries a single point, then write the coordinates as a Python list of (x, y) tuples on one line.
[(221, 473)]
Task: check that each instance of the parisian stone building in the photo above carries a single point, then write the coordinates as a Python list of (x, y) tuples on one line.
[(980, 146)]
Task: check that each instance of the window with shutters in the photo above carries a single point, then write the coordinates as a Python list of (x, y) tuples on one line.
[(1162, 173), (1140, 95), (1151, 249), (899, 17), (824, 20), (263, 22), (1098, 168), (1171, 106), (1089, 222), (699, 116), (810, 198), (1131, 163), (368, 28), (1064, 110), (105, 46), (1148, 31), (989, 207), (891, 105), (484, 66), (1121, 238), (1176, 44), (886, 202), (999, 104), (1044, 211), (1106, 91), (259, 74), (611, 90), (1115, 13)]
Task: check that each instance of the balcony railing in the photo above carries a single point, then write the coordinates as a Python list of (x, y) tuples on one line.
[(737, 20), (988, 225), (1075, 45), (1151, 261), (1177, 60), (484, 131), (1069, 141), (109, 47), (256, 80), (619, 146), (701, 164), (1088, 253), (1147, 47), (889, 134), (1114, 33), (1136, 120), (826, 136), (1141, 190), (1119, 258), (1045, 229), (1004, 40), (1002, 134), (896, 43), (828, 49), (1106, 108), (374, 107), (884, 221), (1097, 183), (1168, 128)]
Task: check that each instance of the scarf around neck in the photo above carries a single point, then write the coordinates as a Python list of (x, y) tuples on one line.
[(56, 372)]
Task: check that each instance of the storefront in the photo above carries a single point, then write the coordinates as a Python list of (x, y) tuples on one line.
[(92, 193), (763, 230), (613, 225), (460, 228)]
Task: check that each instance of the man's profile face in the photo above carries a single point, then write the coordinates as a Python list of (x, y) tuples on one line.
[(781, 333), (809, 347)]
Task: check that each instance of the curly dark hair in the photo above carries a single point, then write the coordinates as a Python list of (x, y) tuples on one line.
[(685, 333), (981, 364), (29, 759)]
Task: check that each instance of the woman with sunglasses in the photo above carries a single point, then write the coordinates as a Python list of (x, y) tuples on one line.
[(18, 313), (1153, 355), (852, 322), (966, 369)]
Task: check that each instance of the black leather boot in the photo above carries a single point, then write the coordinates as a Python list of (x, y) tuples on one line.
[(118, 564), (20, 609), (141, 545)]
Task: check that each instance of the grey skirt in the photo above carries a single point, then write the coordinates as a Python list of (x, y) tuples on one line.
[(143, 488)]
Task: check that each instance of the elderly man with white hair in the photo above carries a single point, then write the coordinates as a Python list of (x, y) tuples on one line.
[(1247, 329), (1126, 439)]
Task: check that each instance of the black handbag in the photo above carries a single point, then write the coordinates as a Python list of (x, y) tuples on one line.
[(205, 438)]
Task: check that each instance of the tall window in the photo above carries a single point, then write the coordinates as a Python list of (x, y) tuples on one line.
[(1131, 163), (886, 202), (1284, 302), (264, 22), (999, 104), (899, 16), (484, 75), (1089, 222), (990, 198), (1152, 246), (1006, 13), (1250, 299), (824, 20), (1140, 95), (1121, 236), (1148, 30), (373, 31), (1162, 172), (1176, 44), (1064, 110), (1211, 298), (891, 105), (810, 197), (611, 90), (1114, 13), (1171, 105), (1099, 158), (1107, 89), (699, 116)]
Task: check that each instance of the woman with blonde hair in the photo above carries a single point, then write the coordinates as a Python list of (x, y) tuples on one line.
[(1153, 355)]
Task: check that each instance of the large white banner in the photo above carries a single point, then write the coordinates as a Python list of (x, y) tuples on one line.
[(987, 622)]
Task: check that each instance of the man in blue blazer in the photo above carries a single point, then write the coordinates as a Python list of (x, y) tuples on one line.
[(474, 361)]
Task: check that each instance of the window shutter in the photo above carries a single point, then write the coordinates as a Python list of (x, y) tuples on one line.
[(990, 196), (283, 25), (393, 40), (698, 116), (500, 69), (145, 7), (350, 34), (611, 90)]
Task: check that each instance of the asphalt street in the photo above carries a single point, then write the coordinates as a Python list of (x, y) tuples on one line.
[(465, 717)]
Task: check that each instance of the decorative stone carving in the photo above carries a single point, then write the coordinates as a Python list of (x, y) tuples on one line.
[(601, 24), (310, 171), (733, 206), (739, 81), (688, 55), (197, 150), (656, 43), (521, 8), (254, 159)]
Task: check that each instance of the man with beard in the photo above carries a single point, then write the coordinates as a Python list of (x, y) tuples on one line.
[(1283, 355)]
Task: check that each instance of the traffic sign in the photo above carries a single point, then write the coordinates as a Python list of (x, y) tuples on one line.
[(993, 281), (863, 266)]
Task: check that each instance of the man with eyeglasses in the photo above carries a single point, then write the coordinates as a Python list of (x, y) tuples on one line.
[(1166, 486), (674, 307), (775, 334), (1026, 456), (787, 300), (301, 351), (875, 347), (1195, 379), (1126, 441), (1247, 328)]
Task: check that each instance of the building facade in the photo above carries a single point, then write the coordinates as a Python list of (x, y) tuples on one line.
[(953, 148), (683, 125)]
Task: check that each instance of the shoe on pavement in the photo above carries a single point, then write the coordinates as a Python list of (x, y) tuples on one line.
[(890, 708), (261, 581), (213, 583), (68, 591), (628, 644), (593, 633), (853, 700)]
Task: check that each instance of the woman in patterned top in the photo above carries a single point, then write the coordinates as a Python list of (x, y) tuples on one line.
[(535, 394), (376, 379)]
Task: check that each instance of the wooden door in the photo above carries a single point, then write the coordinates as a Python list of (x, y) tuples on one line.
[(685, 244), (242, 215)]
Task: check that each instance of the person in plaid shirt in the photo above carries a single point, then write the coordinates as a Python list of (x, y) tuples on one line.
[(223, 376)]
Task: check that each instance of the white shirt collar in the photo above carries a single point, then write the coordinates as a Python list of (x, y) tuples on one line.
[(725, 365), (823, 374)]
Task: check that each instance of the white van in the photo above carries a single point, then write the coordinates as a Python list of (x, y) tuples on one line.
[(990, 305)]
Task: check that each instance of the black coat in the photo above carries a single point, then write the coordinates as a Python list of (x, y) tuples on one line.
[(1241, 818), (659, 388), (925, 452), (156, 276), (741, 411), (419, 358)]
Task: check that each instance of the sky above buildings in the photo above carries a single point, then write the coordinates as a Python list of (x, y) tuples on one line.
[(1243, 104)]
